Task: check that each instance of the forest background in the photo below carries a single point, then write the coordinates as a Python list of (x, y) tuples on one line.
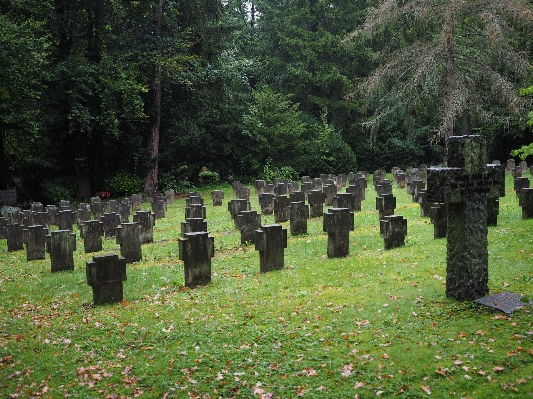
[(133, 96)]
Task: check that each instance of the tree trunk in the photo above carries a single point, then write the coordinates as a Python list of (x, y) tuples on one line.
[(448, 88), (150, 183)]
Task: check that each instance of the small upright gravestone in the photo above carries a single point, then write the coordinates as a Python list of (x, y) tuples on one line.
[(14, 237), (124, 210), (248, 222), (158, 207), (35, 239), (281, 209), (330, 190), (105, 274), (385, 204), (271, 241), (464, 187), (298, 218), (345, 200), (316, 200), (92, 233), (439, 220), (525, 200), (129, 239), (393, 230), (193, 225), (217, 196), (146, 220), (196, 251), (195, 211), (169, 195), (65, 219), (266, 202), (111, 222), (136, 201), (338, 222), (3, 228), (61, 244), (520, 183)]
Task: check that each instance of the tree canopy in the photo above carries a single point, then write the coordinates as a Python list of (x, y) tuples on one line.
[(154, 94)]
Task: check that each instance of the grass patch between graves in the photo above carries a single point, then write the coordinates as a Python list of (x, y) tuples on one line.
[(376, 323)]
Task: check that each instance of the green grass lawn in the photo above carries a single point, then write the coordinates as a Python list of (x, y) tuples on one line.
[(374, 324)]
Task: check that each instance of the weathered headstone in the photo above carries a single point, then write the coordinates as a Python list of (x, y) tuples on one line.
[(316, 201), (236, 206), (357, 192), (129, 239), (516, 171), (523, 166), (243, 193), (439, 219), (217, 196), (105, 274), (525, 200), (464, 187), (248, 222), (400, 179), (92, 233), (266, 202), (520, 183), (384, 187), (281, 209), (158, 207), (297, 196), (193, 225), (299, 213), (510, 165), (61, 244), (146, 220), (393, 230), (3, 228), (259, 186), (136, 202), (271, 241), (338, 222), (330, 190), (416, 187), (124, 211), (66, 220), (36, 207), (169, 195), (281, 188), (196, 251), (111, 221), (385, 204), (345, 200), (111, 206), (9, 197), (97, 208), (14, 237), (34, 238), (195, 211), (306, 188)]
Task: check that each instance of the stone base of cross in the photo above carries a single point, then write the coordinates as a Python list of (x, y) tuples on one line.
[(464, 187)]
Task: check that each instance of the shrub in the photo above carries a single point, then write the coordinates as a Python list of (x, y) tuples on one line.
[(123, 184), (283, 172), (206, 176), (59, 188)]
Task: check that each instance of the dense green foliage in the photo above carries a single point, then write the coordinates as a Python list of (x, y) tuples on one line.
[(237, 88)]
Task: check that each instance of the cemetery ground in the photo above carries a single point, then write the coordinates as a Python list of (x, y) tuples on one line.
[(376, 323)]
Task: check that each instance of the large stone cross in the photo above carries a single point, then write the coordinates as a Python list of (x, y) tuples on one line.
[(464, 187)]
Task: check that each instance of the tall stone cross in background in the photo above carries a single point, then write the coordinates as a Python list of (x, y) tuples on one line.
[(464, 187)]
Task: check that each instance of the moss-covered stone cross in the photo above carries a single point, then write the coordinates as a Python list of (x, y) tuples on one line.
[(464, 186)]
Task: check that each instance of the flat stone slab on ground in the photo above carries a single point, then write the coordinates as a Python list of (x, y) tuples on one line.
[(505, 301)]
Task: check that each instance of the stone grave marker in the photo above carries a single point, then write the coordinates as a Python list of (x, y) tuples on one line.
[(464, 187), (439, 219), (34, 238), (124, 211), (338, 222), (111, 221), (385, 204), (393, 230), (525, 200), (317, 184), (510, 165), (106, 274), (92, 232), (170, 195), (248, 222), (158, 207), (61, 244), (281, 188), (306, 188), (345, 200), (259, 186), (14, 237), (299, 213), (243, 193), (316, 201), (8, 197), (3, 228), (195, 211), (146, 221), (129, 239), (236, 206), (36, 207), (196, 251), (520, 183), (523, 166), (400, 179), (217, 196), (281, 208), (271, 241), (297, 196), (66, 220), (330, 190), (266, 202), (136, 202), (384, 187), (193, 225)]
